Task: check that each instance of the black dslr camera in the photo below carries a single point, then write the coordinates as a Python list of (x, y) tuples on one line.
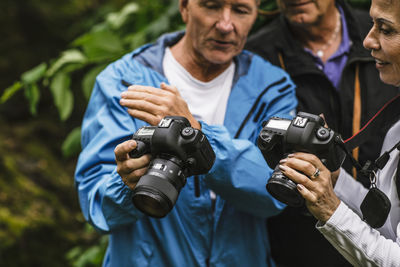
[(305, 133), (178, 151)]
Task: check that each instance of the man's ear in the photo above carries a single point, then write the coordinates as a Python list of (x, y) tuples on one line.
[(183, 6)]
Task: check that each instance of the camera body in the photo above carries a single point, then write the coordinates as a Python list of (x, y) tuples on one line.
[(178, 151), (305, 133)]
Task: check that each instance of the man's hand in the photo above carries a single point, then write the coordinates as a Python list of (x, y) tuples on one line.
[(152, 104), (128, 168)]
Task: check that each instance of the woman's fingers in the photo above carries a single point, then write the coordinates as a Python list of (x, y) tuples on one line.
[(296, 175), (313, 181), (307, 194)]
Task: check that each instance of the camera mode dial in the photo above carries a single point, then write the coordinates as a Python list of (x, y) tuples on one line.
[(323, 134), (187, 132)]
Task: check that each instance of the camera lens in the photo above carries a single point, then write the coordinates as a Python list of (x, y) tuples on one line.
[(157, 191), (152, 203), (284, 189)]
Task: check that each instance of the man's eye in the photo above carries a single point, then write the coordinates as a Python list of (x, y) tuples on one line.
[(211, 5), (241, 10)]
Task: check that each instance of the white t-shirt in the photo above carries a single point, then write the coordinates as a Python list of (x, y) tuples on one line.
[(207, 101)]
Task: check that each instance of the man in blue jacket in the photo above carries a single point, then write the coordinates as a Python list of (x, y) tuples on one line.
[(203, 75)]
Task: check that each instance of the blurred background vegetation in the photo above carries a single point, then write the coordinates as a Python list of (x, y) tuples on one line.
[(51, 52)]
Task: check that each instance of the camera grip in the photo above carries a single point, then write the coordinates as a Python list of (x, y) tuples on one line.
[(140, 150)]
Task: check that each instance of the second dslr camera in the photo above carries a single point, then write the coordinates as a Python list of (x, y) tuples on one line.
[(178, 151), (305, 133)]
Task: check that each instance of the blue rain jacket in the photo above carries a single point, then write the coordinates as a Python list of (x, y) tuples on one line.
[(194, 233)]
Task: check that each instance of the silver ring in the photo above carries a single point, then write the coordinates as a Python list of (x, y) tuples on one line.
[(316, 173)]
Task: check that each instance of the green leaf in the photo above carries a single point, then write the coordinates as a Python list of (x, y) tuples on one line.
[(72, 56), (117, 19), (101, 45), (10, 91), (162, 24), (91, 256), (136, 39), (62, 95), (34, 74), (32, 94), (89, 80), (73, 253), (72, 144)]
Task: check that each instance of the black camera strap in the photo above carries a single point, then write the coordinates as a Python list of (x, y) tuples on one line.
[(376, 205)]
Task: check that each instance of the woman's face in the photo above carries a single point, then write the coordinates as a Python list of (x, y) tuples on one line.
[(384, 39)]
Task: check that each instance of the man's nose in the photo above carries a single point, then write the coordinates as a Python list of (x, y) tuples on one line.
[(225, 24)]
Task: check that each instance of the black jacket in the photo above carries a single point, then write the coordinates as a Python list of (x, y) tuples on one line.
[(294, 240)]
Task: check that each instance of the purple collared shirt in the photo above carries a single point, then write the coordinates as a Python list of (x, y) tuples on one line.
[(334, 66)]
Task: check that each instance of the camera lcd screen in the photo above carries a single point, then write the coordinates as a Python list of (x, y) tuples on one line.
[(279, 124)]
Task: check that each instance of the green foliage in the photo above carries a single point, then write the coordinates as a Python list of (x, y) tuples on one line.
[(10, 91), (39, 214), (72, 143), (81, 256), (28, 81), (116, 35), (34, 74), (63, 98)]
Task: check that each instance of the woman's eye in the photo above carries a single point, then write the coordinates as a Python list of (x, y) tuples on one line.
[(385, 31)]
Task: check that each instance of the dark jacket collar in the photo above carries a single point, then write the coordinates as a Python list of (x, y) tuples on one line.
[(283, 41)]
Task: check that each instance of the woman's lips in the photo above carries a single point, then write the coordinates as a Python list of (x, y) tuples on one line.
[(380, 63)]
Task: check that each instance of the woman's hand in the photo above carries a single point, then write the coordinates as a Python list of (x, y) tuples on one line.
[(314, 182), (152, 104)]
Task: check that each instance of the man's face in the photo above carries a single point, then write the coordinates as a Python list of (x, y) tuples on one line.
[(216, 30), (305, 12)]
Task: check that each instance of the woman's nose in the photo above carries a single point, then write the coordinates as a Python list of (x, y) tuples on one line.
[(370, 41)]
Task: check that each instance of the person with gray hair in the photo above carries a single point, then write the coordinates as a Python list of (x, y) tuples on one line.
[(204, 75)]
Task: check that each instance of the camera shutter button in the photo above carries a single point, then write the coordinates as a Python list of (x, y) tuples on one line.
[(323, 134), (187, 132)]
